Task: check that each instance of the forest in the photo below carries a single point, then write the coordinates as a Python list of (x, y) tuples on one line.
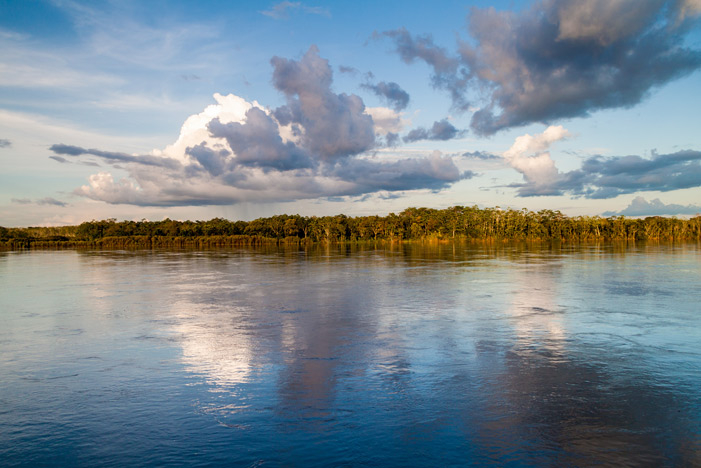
[(412, 224)]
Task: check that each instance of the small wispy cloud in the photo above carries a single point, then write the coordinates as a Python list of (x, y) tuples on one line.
[(12, 35), (348, 70), (283, 10), (482, 155), (5, 143), (40, 201), (391, 92), (190, 77), (441, 130), (111, 156)]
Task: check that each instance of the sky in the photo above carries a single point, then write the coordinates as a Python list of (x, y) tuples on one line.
[(195, 110)]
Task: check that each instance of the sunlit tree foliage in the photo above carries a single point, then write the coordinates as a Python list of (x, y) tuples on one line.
[(457, 222)]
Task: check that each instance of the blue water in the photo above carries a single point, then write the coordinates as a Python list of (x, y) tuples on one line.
[(435, 355)]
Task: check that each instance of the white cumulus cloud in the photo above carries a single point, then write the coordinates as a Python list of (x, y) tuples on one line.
[(529, 155), (386, 120)]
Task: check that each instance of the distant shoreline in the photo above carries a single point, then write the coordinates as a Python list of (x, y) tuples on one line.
[(412, 224)]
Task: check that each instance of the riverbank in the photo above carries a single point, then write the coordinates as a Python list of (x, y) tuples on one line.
[(412, 224)]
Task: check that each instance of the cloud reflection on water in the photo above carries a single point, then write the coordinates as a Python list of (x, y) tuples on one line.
[(396, 345)]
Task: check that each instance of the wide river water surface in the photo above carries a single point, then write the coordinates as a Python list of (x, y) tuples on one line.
[(405, 355)]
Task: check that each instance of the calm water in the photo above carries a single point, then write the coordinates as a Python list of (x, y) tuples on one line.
[(426, 356)]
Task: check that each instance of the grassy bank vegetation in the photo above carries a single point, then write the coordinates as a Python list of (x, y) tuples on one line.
[(457, 222)]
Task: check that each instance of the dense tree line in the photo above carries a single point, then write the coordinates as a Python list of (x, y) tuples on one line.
[(457, 222)]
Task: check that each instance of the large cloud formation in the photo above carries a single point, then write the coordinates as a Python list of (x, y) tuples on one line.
[(319, 144), (560, 58), (599, 176)]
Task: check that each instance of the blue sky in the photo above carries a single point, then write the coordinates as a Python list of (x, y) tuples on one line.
[(134, 110)]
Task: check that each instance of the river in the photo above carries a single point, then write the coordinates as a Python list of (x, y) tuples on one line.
[(394, 355)]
